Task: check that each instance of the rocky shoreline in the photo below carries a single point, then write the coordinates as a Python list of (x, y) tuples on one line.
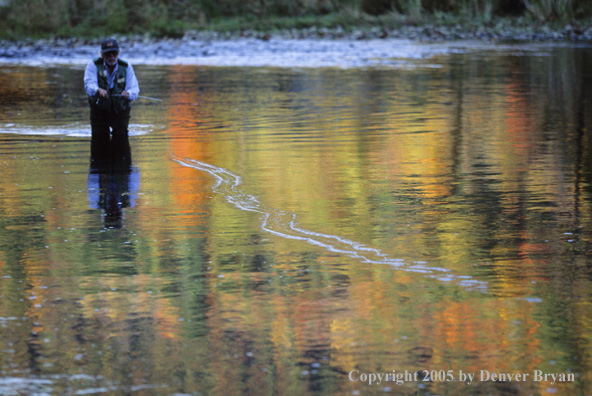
[(424, 32), (237, 48)]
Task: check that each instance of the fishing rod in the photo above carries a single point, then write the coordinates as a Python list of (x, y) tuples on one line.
[(148, 98), (142, 97), (139, 97)]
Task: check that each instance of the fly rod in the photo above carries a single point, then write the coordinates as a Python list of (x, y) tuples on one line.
[(139, 97)]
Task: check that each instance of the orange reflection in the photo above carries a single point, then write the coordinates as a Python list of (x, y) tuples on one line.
[(183, 114)]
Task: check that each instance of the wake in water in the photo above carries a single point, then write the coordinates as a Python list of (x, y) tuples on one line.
[(70, 130), (283, 224)]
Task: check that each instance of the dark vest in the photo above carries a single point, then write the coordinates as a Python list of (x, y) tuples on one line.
[(113, 103)]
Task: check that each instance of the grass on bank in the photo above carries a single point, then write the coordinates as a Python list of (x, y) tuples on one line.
[(161, 18), (354, 21)]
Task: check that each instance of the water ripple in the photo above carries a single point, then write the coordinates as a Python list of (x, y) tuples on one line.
[(283, 224), (71, 130)]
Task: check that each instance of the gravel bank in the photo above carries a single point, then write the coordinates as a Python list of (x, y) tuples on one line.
[(313, 47)]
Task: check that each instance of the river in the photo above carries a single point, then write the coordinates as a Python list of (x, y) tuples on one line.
[(302, 219)]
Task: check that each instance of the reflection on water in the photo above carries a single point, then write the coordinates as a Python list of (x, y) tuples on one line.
[(267, 248), (112, 182)]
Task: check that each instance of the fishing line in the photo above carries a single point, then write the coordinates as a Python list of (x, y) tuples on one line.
[(283, 224)]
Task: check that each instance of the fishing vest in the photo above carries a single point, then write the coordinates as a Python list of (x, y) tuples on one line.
[(115, 104)]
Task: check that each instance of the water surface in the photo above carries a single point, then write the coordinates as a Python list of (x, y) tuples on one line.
[(279, 228)]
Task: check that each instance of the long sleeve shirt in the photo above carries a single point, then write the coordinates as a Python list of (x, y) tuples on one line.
[(91, 81)]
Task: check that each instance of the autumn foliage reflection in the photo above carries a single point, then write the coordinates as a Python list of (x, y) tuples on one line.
[(461, 167)]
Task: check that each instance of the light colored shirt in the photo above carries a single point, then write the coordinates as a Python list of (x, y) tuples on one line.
[(91, 80)]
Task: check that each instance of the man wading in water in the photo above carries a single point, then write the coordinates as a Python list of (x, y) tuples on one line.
[(111, 85)]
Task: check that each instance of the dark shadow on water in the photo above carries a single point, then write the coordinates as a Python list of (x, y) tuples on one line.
[(112, 181)]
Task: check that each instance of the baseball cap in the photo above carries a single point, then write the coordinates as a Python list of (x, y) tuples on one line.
[(109, 45)]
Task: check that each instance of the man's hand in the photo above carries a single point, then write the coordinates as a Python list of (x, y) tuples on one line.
[(102, 93), (125, 95)]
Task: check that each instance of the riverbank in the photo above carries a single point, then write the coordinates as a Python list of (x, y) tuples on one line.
[(310, 47), (503, 29)]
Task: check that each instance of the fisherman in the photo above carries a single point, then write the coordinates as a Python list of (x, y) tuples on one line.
[(111, 85)]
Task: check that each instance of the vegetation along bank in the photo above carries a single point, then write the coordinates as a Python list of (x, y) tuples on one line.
[(415, 19)]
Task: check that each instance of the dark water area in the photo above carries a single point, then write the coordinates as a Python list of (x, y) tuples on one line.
[(293, 231)]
